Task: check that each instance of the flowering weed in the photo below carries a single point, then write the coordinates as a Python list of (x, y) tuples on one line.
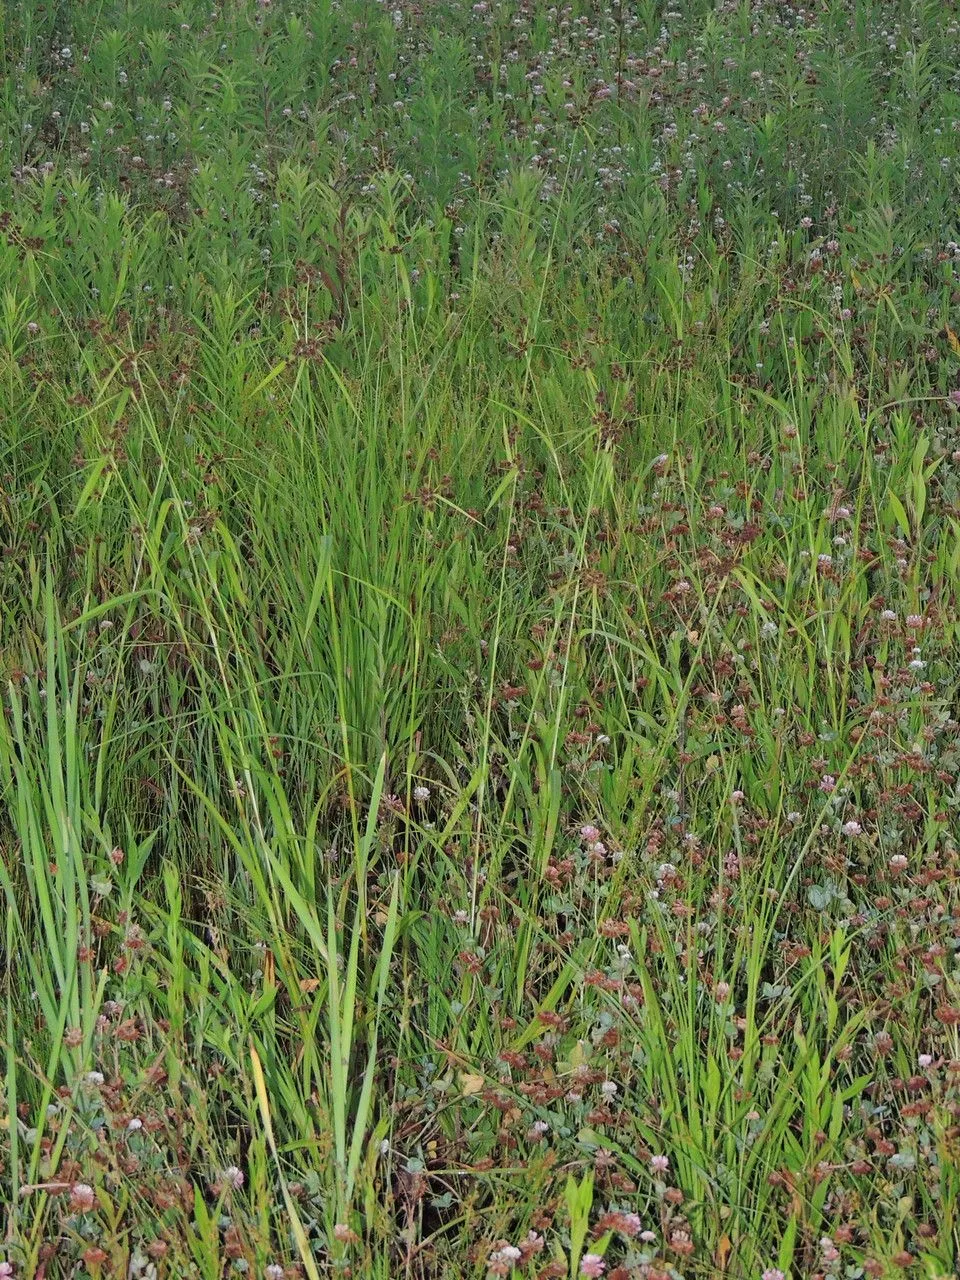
[(478, 602)]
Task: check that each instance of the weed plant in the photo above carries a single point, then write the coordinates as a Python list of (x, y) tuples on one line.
[(479, 516)]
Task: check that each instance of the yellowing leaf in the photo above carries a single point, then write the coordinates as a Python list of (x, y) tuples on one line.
[(954, 341), (299, 1234), (723, 1252), (578, 1054), (471, 1084)]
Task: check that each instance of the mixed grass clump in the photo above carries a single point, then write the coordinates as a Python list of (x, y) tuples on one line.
[(479, 563)]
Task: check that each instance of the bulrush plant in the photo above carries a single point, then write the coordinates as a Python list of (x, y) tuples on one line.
[(478, 611)]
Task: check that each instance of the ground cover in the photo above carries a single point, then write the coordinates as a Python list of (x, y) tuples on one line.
[(478, 610)]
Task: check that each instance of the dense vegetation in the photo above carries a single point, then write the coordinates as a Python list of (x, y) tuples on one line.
[(478, 609)]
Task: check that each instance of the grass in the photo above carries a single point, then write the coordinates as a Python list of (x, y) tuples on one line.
[(479, 516)]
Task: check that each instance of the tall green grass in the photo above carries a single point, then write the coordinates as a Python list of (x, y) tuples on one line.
[(478, 513)]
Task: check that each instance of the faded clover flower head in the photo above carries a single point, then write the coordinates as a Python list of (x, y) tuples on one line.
[(82, 1198), (501, 1262), (829, 1251)]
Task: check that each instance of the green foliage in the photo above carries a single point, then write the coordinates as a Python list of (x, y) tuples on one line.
[(478, 595)]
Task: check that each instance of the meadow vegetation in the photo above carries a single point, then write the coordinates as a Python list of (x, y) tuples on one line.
[(479, 554)]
